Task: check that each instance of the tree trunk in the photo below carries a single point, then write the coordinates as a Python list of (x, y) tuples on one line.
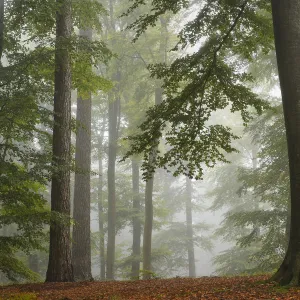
[(100, 213), (1, 28), (81, 247), (147, 239), (189, 228), (59, 266), (286, 21), (136, 221), (113, 112)]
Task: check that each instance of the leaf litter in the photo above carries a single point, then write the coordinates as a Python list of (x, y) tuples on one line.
[(214, 288)]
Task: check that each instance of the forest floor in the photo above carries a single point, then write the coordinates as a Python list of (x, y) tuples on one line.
[(218, 288)]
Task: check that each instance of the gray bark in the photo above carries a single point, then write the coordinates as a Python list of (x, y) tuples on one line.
[(59, 266), (136, 221), (147, 238), (286, 21), (81, 247), (113, 112), (100, 211), (189, 228)]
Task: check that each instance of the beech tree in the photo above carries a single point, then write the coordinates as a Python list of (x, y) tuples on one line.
[(287, 44), (81, 244), (189, 228), (136, 221)]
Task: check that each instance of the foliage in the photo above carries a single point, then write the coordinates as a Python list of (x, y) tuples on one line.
[(169, 253), (226, 33), (257, 219)]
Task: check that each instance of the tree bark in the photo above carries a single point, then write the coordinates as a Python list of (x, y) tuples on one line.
[(147, 238), (59, 266), (189, 228), (113, 112), (136, 221), (286, 22), (100, 212), (81, 247)]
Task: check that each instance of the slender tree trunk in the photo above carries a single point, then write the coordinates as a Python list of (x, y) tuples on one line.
[(189, 228), (1, 28), (113, 112), (100, 212), (286, 20), (147, 238), (81, 247), (59, 266), (136, 221)]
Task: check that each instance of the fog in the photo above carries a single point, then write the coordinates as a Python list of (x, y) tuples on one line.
[(151, 150)]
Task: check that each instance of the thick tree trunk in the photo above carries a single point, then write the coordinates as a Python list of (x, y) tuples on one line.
[(147, 238), (189, 228), (81, 247), (113, 112), (100, 212), (136, 221), (59, 266), (1, 28), (286, 20)]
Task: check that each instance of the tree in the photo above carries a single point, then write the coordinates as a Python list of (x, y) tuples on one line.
[(287, 33), (114, 107), (100, 203), (113, 111), (189, 228), (147, 237), (59, 266), (136, 221), (81, 244)]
